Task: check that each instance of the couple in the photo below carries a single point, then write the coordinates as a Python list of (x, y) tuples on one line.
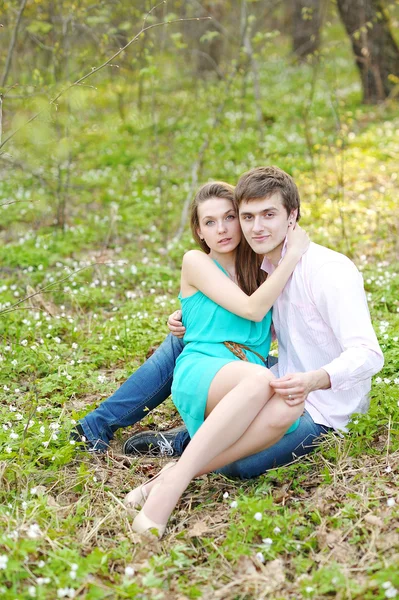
[(328, 350)]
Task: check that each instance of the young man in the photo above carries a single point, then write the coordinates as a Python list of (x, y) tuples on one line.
[(328, 350)]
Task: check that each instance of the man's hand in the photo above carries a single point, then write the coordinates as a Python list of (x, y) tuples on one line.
[(175, 325), (295, 387)]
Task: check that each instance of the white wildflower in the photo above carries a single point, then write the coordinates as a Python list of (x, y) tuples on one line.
[(390, 590), (391, 502), (226, 495), (3, 561), (258, 516), (267, 542), (65, 593), (260, 557), (129, 571), (234, 504), (34, 531)]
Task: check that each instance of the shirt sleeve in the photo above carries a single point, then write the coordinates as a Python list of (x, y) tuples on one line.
[(338, 293)]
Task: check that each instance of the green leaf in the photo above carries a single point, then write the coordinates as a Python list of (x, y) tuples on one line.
[(36, 27)]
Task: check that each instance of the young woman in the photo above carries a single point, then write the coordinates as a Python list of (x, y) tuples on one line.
[(220, 384)]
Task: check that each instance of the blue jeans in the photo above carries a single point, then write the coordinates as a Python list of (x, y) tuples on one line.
[(146, 389), (150, 385)]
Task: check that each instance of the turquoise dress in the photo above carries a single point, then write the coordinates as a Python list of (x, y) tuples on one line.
[(208, 325)]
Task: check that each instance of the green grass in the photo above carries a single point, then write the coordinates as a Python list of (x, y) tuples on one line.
[(110, 278)]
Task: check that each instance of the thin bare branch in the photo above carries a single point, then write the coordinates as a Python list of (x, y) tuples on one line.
[(46, 288), (1, 116), (96, 69), (12, 202), (198, 163), (12, 43)]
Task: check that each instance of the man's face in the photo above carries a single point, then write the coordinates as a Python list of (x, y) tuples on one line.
[(265, 223)]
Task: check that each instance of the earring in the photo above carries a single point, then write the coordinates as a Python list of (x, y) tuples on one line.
[(290, 222)]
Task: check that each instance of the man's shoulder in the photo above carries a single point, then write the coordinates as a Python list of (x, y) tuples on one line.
[(329, 270), (318, 256)]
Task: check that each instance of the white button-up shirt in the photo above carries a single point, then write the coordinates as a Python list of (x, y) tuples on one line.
[(322, 321)]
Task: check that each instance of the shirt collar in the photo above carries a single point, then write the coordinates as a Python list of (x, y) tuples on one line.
[(268, 266)]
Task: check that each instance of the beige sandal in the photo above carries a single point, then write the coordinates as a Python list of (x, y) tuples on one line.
[(137, 497)]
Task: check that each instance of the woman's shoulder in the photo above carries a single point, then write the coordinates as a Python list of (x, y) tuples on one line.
[(193, 257)]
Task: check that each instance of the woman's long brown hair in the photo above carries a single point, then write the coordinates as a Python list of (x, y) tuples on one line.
[(248, 272)]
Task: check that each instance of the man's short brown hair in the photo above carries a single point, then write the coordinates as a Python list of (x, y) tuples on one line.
[(262, 182)]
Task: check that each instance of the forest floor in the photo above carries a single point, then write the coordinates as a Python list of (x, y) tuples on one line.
[(89, 220)]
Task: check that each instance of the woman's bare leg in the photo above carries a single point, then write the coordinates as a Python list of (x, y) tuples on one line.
[(266, 429), (225, 425)]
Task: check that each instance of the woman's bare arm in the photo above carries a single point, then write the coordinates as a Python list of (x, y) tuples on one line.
[(200, 272)]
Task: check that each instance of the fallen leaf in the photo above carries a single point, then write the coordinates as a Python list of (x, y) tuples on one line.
[(245, 566), (374, 520), (273, 575), (198, 529)]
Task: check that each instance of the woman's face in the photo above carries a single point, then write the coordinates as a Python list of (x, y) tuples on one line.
[(219, 225)]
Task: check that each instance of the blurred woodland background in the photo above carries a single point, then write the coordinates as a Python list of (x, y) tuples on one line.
[(111, 114)]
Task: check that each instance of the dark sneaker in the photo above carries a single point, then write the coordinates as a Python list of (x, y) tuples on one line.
[(153, 443), (78, 435)]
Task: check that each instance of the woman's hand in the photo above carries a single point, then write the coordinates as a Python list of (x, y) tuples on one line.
[(297, 240)]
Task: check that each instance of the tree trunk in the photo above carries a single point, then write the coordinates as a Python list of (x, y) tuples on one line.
[(376, 52), (210, 50), (306, 23)]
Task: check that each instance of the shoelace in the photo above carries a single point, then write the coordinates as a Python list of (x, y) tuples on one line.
[(96, 446), (165, 447)]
